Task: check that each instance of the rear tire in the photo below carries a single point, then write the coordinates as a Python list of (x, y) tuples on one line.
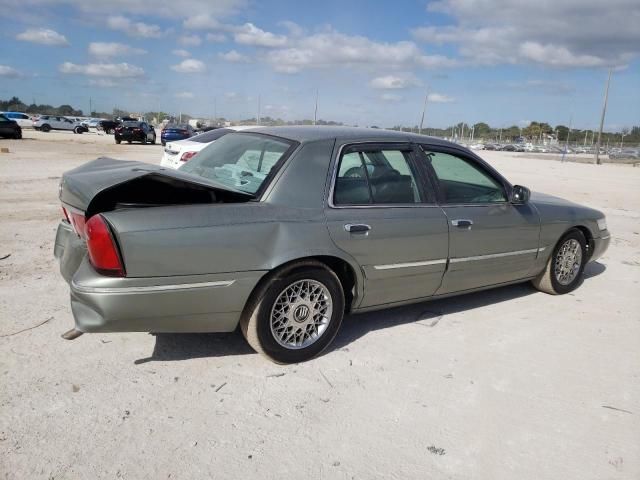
[(153, 141), (46, 127), (78, 130), (563, 272), (118, 141), (18, 135), (297, 325)]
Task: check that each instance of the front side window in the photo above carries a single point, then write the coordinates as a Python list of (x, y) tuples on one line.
[(375, 176), (462, 182), (240, 161)]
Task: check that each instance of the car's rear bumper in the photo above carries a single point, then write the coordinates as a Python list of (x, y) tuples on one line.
[(194, 303), (130, 137)]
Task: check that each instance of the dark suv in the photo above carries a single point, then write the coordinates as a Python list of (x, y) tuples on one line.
[(134, 131)]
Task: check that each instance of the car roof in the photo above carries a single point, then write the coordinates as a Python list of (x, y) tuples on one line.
[(310, 133)]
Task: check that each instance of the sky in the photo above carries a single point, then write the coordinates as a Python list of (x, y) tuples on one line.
[(504, 62)]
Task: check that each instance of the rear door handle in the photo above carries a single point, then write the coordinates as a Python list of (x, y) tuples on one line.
[(357, 228), (462, 223)]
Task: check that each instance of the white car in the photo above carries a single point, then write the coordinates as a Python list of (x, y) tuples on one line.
[(47, 123), (180, 151), (20, 118)]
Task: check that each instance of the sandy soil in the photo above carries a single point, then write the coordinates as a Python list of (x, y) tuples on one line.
[(506, 384)]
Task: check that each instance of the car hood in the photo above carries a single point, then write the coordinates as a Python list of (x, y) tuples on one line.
[(81, 185), (549, 205)]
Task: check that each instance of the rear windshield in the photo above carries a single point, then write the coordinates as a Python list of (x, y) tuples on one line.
[(239, 160), (211, 135), (131, 124), (176, 127)]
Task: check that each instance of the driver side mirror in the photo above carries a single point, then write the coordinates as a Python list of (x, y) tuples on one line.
[(519, 195)]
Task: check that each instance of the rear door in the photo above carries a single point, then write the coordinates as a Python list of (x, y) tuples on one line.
[(380, 214), (6, 126), (491, 240)]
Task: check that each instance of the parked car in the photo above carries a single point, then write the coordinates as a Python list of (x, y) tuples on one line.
[(135, 132), (280, 230), (47, 123), (174, 132), (624, 154), (176, 153), (9, 128), (20, 118), (108, 126)]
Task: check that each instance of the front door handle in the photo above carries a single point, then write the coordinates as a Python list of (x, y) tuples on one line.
[(462, 223), (357, 228)]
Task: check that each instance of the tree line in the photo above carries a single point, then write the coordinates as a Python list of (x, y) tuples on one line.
[(480, 131)]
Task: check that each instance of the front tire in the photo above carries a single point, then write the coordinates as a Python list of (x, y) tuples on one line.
[(563, 272), (118, 141), (295, 314)]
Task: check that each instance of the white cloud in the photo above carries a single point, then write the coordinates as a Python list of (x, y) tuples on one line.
[(203, 21), (216, 37), (184, 95), (332, 48), (115, 70), (391, 97), (181, 52), (113, 49), (134, 29), (389, 82), (566, 34), (190, 40), (190, 65), (440, 98), (234, 57), (43, 36), (103, 83), (9, 72), (249, 34)]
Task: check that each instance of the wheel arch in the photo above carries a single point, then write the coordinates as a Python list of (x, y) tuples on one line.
[(587, 235), (350, 275)]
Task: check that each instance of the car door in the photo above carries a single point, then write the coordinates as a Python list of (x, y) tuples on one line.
[(491, 240), (379, 213), (6, 126)]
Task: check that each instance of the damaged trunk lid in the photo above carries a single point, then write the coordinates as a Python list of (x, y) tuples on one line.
[(106, 184)]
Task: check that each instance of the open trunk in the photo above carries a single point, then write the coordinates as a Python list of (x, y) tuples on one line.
[(104, 185)]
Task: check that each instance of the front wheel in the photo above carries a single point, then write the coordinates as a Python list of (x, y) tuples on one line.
[(78, 130), (295, 314), (564, 269), (18, 135), (118, 141)]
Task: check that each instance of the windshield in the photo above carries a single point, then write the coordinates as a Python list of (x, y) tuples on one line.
[(131, 124), (210, 136), (239, 160)]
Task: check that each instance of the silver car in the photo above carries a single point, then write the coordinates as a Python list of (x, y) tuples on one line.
[(46, 123), (283, 230)]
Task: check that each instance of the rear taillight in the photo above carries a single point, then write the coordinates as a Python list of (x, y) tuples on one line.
[(186, 156), (77, 221), (103, 252)]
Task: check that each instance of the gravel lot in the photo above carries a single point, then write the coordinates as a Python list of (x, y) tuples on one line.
[(509, 383)]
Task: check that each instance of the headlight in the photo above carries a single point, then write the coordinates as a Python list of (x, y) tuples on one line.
[(602, 223)]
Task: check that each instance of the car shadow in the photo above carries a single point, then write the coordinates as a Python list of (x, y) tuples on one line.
[(184, 346)]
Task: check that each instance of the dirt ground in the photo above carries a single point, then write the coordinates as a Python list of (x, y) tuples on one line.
[(505, 384)]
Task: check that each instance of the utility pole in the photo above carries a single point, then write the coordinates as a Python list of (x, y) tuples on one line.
[(90, 109), (604, 111), (586, 132), (566, 143), (462, 132), (424, 109), (473, 131), (258, 119), (315, 110)]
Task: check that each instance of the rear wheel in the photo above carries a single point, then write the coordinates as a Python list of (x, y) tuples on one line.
[(118, 141), (295, 314), (564, 269), (153, 140), (18, 135), (78, 130), (129, 142), (46, 127)]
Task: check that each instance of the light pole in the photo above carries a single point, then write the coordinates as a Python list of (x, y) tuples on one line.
[(604, 111), (622, 135), (424, 109)]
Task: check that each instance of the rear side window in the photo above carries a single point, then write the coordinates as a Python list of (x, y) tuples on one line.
[(376, 176)]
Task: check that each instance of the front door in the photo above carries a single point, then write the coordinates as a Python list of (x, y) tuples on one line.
[(380, 214), (491, 241)]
